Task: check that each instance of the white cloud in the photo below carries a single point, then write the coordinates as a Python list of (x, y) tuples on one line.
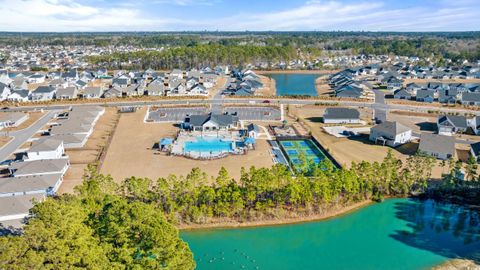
[(373, 15)]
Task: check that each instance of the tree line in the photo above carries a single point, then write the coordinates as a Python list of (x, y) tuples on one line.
[(195, 57), (129, 225)]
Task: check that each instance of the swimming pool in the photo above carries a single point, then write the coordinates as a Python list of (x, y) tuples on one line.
[(208, 145), (295, 148)]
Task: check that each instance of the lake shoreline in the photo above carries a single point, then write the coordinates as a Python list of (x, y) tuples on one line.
[(331, 213)]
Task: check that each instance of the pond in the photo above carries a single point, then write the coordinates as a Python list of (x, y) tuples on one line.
[(395, 234), (295, 84)]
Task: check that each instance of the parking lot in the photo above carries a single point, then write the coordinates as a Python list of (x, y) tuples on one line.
[(173, 114), (255, 113)]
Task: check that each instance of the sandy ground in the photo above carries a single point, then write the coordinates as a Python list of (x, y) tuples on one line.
[(330, 213), (32, 118), (91, 152), (131, 154), (268, 89), (323, 89), (4, 140), (458, 264)]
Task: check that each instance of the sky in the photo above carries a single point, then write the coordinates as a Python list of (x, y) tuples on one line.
[(239, 15)]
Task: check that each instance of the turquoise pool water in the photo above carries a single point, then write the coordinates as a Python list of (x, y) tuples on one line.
[(207, 145), (397, 234), (295, 84), (295, 148)]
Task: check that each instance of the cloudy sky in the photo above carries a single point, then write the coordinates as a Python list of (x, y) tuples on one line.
[(239, 15)]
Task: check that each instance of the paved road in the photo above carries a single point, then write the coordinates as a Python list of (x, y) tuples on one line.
[(21, 136)]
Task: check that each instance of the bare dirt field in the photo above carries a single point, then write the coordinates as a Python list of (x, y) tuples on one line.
[(91, 152), (323, 89), (131, 154), (220, 85)]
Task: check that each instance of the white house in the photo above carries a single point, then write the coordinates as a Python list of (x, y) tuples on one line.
[(47, 148), (36, 78), (16, 208), (253, 131), (474, 123), (43, 93), (341, 116), (19, 96), (39, 167), (390, 133), (439, 146), (4, 91)]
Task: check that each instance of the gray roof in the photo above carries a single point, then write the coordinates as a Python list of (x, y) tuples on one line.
[(453, 120), (425, 93), (44, 89), (95, 91), (13, 205), (220, 119), (28, 183), (391, 128), (341, 113), (36, 167), (476, 149), (473, 97), (67, 91), (435, 143), (45, 144)]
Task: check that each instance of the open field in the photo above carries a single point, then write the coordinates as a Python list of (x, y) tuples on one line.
[(298, 71), (91, 152), (323, 89), (219, 86), (131, 154)]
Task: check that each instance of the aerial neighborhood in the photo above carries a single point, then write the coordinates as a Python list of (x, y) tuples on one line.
[(339, 122)]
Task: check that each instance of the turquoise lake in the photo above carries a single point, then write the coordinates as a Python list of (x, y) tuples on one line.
[(295, 84), (395, 234)]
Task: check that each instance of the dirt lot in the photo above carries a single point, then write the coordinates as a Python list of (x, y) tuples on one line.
[(4, 140), (219, 86), (323, 89), (91, 152), (314, 113), (130, 153), (416, 123)]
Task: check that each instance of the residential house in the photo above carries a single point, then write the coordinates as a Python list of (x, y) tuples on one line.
[(45, 148), (446, 95), (43, 93), (390, 133), (4, 91), (451, 124), (113, 93), (210, 122), (19, 96), (253, 131), (402, 94), (474, 123), (341, 116), (66, 93), (425, 96), (91, 92), (16, 208), (120, 82), (43, 184), (155, 88), (36, 78), (471, 98), (439, 146), (39, 167)]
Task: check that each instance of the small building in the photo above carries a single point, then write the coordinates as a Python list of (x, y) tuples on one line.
[(450, 124), (46, 148), (210, 122), (439, 146), (46, 185), (471, 98), (341, 116), (253, 131), (402, 94), (12, 119), (91, 92), (19, 96), (390, 133)]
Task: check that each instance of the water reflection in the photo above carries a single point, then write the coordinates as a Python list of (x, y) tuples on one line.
[(448, 230)]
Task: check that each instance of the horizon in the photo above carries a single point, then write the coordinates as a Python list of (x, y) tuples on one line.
[(73, 16)]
